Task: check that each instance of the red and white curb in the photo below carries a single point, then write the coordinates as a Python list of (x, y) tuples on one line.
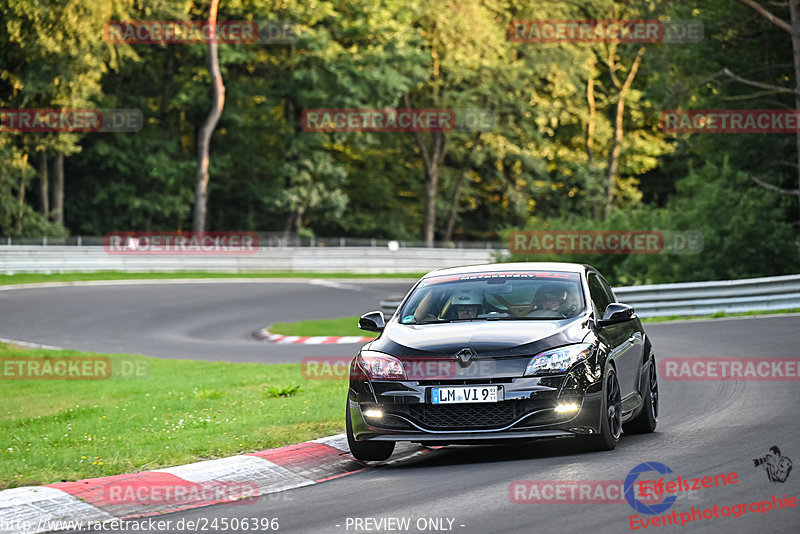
[(35, 509), (307, 340)]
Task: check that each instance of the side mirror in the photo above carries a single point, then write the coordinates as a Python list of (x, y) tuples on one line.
[(372, 321), (616, 313)]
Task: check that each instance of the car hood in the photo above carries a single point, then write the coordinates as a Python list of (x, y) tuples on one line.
[(489, 339)]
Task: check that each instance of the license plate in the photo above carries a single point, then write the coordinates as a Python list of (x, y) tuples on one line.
[(458, 395)]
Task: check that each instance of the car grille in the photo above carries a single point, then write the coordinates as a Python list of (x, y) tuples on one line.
[(466, 416)]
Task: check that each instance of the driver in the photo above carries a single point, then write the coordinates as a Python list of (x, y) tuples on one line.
[(468, 303), (551, 298)]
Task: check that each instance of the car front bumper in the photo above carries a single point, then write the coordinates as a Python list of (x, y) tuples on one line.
[(527, 410)]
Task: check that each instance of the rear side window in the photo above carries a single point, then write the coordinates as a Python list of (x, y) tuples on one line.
[(600, 296)]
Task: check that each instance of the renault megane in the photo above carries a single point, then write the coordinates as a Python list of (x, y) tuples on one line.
[(502, 351)]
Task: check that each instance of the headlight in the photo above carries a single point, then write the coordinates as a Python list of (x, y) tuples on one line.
[(381, 366), (558, 360)]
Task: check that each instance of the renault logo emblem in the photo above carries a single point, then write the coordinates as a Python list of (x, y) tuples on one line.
[(464, 356)]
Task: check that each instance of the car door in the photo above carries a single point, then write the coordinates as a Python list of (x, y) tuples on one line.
[(634, 355), (623, 339)]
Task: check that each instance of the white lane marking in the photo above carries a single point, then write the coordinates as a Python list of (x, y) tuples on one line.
[(315, 340), (333, 284), (29, 345), (280, 339), (350, 339)]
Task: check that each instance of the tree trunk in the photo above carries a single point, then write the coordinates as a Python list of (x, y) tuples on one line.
[(58, 188), (613, 157), (431, 184), (432, 157), (204, 138), (433, 160), (590, 128), (451, 217), (21, 201), (44, 185), (292, 223), (591, 125)]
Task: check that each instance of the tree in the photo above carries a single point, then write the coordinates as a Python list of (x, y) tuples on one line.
[(793, 29), (204, 137), (466, 43), (53, 57)]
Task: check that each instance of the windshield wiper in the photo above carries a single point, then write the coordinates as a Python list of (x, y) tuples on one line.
[(450, 321), (526, 318)]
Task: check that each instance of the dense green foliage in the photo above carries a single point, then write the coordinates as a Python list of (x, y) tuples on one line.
[(544, 163)]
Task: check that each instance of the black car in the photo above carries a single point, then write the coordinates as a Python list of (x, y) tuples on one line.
[(503, 351)]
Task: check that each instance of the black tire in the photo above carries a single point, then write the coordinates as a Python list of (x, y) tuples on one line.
[(611, 418), (366, 451), (647, 419)]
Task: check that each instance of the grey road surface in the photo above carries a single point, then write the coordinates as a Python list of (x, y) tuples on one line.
[(206, 321), (705, 429)]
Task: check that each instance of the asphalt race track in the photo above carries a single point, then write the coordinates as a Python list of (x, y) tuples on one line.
[(706, 428), (204, 321)]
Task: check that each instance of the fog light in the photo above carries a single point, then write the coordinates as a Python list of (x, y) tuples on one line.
[(569, 407), (377, 414)]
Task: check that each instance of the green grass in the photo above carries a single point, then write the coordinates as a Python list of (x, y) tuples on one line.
[(717, 315), (179, 411), (341, 326), (33, 278)]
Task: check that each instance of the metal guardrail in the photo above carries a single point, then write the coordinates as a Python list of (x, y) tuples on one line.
[(691, 298), (703, 298), (57, 259), (267, 240), (697, 298)]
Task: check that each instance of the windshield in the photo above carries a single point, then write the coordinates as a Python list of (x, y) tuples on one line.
[(494, 296)]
